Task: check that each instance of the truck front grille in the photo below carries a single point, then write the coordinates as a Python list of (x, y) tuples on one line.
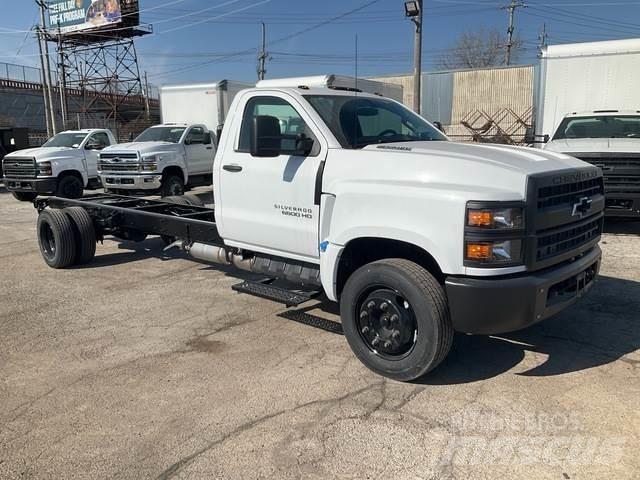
[(19, 167), (564, 216), (125, 162), (621, 172)]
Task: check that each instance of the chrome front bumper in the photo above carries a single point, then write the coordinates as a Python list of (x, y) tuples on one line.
[(131, 182)]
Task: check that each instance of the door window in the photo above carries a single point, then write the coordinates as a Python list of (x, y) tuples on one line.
[(196, 136), (291, 123), (100, 139)]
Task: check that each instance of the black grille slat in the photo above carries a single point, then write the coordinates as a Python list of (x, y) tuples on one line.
[(561, 194), (621, 173), (118, 167), (105, 156), (19, 167), (567, 239)]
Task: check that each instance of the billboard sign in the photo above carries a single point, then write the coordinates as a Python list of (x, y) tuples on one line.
[(78, 15)]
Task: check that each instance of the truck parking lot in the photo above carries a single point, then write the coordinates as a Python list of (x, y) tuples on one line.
[(144, 365)]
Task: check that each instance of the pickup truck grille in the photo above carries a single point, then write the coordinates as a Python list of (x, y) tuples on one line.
[(621, 171), (118, 162), (19, 167), (564, 215)]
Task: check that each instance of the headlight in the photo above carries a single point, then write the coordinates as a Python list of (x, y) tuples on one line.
[(497, 218), (150, 163), (494, 234), (44, 169)]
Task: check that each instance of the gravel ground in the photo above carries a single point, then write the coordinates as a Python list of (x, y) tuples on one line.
[(148, 366)]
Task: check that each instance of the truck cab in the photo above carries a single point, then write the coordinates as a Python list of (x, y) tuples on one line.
[(165, 158), (610, 140), (64, 166)]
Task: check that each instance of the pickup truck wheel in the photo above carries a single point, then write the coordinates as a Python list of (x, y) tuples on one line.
[(396, 319), (70, 187), (172, 185), (24, 196), (56, 238), (85, 234)]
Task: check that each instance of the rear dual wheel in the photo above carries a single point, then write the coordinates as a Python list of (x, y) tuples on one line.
[(66, 237), (396, 318)]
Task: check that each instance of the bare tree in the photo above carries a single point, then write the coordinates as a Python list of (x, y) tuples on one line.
[(478, 49)]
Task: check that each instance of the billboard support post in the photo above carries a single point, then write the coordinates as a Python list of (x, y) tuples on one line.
[(43, 80), (47, 65)]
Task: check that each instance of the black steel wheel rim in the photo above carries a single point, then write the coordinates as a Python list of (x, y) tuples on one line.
[(386, 322), (48, 240), (73, 189)]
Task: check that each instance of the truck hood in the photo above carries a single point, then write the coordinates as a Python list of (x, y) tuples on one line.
[(594, 145), (143, 147), (47, 153), (518, 159)]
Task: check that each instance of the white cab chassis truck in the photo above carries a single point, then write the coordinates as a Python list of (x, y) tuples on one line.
[(178, 154), (64, 166), (588, 106), (354, 196)]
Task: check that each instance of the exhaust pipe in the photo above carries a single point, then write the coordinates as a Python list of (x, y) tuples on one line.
[(219, 255)]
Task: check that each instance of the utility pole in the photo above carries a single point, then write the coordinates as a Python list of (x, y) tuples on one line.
[(413, 10), (45, 90), (511, 8), (543, 39), (43, 35), (262, 56), (62, 81), (147, 107)]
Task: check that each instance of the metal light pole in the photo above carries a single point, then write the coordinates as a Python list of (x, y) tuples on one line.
[(413, 10), (262, 56), (47, 65)]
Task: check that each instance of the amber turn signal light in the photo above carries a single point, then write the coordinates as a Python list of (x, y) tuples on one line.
[(479, 251), (480, 218)]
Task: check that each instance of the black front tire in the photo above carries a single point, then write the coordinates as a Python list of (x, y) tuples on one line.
[(85, 234), (56, 238), (172, 185), (421, 335), (70, 187), (24, 196)]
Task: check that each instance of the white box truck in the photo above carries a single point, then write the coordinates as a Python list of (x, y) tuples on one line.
[(339, 82), (179, 153), (588, 106)]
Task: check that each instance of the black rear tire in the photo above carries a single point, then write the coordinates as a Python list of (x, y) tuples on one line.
[(396, 318), (24, 196), (172, 185), (56, 238), (85, 234), (70, 186)]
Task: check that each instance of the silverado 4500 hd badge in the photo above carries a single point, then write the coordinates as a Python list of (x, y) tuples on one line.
[(294, 211)]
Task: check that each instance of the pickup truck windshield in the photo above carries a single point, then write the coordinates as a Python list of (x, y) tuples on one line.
[(606, 126), (71, 140), (161, 134), (360, 121)]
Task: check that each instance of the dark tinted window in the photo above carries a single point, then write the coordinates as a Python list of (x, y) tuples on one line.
[(605, 126)]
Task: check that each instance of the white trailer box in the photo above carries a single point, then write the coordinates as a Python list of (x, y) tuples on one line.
[(203, 103), (583, 77), (388, 90)]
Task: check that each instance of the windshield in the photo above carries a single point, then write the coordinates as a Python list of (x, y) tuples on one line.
[(624, 126), (161, 134), (71, 140), (360, 121)]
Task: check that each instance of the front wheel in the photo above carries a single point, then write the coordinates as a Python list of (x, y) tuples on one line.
[(70, 187), (24, 196), (396, 318), (172, 185)]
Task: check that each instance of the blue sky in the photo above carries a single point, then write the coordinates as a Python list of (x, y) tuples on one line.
[(208, 40)]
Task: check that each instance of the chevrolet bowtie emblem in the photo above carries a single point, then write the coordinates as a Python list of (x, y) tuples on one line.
[(582, 207)]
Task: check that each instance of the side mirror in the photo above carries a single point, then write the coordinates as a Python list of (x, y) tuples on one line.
[(439, 126), (93, 146), (545, 139), (187, 141), (304, 145), (266, 139), (219, 133), (207, 138), (529, 135)]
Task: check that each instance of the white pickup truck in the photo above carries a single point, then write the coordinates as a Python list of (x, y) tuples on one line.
[(355, 196), (610, 140), (64, 166), (165, 158)]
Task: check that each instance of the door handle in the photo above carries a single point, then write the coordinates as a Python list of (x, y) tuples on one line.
[(232, 168), (209, 148)]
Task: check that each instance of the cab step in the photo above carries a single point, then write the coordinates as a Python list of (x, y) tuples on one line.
[(265, 289), (312, 321)]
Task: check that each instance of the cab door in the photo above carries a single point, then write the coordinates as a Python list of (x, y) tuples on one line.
[(199, 150), (270, 204), (92, 147)]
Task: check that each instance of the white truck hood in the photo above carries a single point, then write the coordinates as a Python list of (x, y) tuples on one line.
[(143, 147), (594, 145), (42, 154), (520, 159)]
